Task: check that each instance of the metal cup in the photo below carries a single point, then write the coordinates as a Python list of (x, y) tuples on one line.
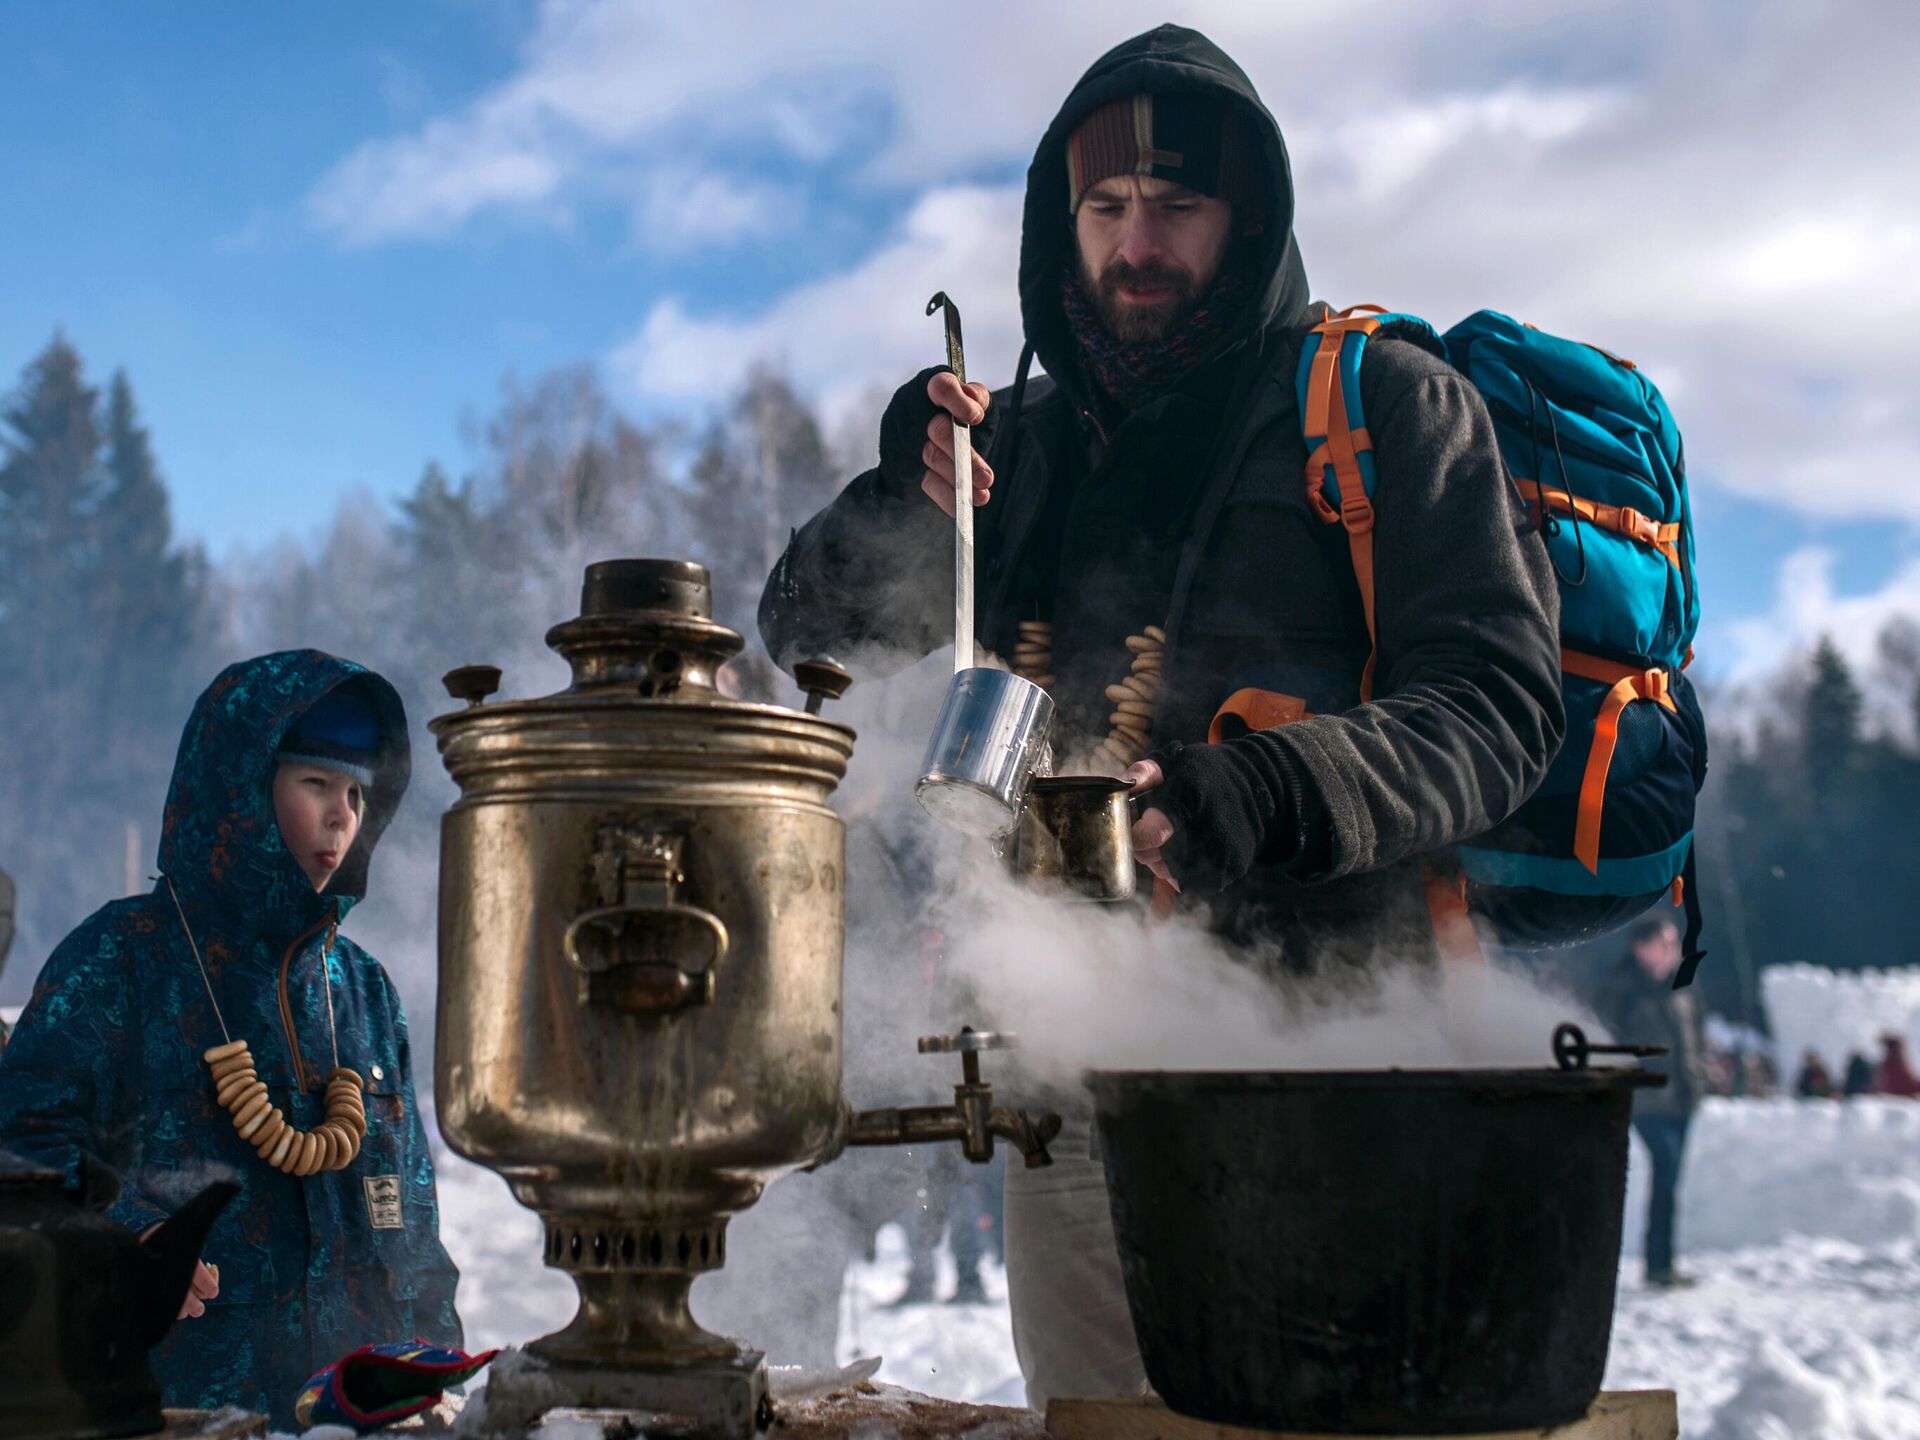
[(986, 747), (1076, 838)]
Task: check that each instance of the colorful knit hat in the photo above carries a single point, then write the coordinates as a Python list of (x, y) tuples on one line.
[(340, 732), (379, 1384), (1199, 141)]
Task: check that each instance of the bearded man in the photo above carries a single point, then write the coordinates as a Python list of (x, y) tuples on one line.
[(1154, 478)]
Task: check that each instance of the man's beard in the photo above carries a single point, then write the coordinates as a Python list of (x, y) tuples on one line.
[(1133, 324)]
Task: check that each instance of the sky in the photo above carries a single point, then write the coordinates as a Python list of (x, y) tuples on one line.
[(319, 238)]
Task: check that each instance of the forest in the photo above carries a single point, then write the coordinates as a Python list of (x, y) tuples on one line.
[(110, 624)]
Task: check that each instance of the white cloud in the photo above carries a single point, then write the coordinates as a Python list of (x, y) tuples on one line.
[(1806, 254), (605, 81), (838, 335), (1372, 153), (1807, 605), (437, 180), (1710, 188), (685, 209)]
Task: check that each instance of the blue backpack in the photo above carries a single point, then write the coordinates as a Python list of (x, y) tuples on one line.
[(1598, 459)]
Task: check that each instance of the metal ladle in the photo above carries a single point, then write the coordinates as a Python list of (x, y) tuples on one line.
[(990, 739)]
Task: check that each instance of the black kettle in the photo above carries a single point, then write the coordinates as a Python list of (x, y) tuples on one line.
[(82, 1300)]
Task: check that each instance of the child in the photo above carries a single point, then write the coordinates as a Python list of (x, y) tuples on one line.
[(290, 767)]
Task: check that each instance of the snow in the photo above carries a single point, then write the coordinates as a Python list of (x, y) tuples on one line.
[(1760, 1172), (1799, 1219), (1837, 1012)]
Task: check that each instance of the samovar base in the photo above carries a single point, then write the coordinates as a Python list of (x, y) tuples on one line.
[(724, 1398), (633, 1318)]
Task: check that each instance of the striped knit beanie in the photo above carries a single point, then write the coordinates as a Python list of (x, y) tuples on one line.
[(1194, 140)]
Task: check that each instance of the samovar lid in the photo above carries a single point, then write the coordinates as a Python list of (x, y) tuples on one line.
[(644, 708), (647, 627), (645, 631)]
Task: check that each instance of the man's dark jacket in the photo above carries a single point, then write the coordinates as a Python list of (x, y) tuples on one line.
[(1191, 513)]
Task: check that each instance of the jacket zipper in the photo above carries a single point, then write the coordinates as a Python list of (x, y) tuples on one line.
[(286, 1005)]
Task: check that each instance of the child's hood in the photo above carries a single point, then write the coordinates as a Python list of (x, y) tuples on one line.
[(219, 841)]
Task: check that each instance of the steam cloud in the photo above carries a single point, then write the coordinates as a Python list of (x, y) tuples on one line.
[(1084, 987)]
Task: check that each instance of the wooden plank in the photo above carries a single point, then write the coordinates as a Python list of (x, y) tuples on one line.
[(1615, 1415), (868, 1409)]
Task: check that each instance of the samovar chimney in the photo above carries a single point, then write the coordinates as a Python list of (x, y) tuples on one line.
[(648, 625), (679, 587)]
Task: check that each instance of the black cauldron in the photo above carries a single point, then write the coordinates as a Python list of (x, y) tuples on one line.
[(82, 1300), (1404, 1252)]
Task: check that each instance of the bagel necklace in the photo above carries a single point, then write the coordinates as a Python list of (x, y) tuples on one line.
[(1136, 697), (330, 1145)]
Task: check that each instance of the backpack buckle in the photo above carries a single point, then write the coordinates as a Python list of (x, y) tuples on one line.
[(1356, 513)]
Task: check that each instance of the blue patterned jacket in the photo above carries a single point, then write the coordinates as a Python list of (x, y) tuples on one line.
[(107, 1060)]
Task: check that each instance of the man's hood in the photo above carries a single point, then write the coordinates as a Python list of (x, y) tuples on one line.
[(1171, 60), (219, 842)]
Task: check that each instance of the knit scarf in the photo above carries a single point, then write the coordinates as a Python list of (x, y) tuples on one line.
[(1135, 373)]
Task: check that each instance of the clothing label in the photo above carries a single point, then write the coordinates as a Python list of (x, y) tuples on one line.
[(383, 1201)]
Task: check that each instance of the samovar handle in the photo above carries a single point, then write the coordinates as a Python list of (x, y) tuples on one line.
[(643, 869), (642, 987)]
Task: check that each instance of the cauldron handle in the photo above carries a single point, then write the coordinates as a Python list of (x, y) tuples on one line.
[(1572, 1049)]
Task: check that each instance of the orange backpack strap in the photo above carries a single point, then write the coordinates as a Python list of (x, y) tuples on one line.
[(1335, 447), (1255, 710), (1453, 928), (1627, 685), (1620, 519)]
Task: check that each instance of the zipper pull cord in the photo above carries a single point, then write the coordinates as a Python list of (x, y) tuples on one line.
[(204, 978), (326, 988)]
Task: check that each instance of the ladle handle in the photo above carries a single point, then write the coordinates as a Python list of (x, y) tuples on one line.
[(962, 496)]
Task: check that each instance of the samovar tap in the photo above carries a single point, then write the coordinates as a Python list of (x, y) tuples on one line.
[(973, 1119)]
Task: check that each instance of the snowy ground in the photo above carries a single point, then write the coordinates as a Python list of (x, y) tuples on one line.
[(1801, 1222)]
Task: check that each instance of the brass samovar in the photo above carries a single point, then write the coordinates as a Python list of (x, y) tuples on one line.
[(642, 910)]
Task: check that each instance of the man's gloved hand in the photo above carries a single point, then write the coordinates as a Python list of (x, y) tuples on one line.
[(1215, 813), (916, 436), (1153, 829)]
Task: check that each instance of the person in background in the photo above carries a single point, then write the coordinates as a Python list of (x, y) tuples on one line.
[(955, 1201), (1760, 1080), (1723, 1071), (1639, 1005), (6, 936), (1894, 1076), (290, 767), (1859, 1076), (1814, 1082)]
